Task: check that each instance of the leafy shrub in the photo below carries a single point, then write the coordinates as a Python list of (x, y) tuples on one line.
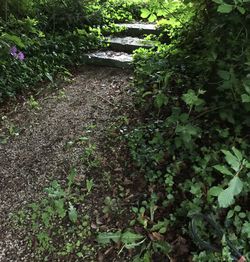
[(45, 57), (194, 96)]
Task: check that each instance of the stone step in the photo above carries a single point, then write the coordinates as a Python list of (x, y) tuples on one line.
[(139, 29), (109, 58), (128, 44)]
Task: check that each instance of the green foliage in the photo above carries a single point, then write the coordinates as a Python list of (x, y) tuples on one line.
[(236, 161), (56, 225), (45, 58), (193, 99)]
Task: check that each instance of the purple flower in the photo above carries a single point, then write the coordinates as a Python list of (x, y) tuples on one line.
[(20, 56), (13, 51), (16, 53)]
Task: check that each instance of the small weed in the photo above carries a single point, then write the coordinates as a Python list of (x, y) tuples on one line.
[(61, 94), (33, 104), (57, 216), (89, 185), (110, 205)]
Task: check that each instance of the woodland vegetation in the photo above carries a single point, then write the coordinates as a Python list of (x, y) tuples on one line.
[(188, 137)]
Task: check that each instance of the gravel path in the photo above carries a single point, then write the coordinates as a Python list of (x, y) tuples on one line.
[(37, 155)]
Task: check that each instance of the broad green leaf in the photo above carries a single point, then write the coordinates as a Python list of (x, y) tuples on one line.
[(152, 18), (223, 170), (145, 13), (130, 237), (161, 12), (226, 198), (245, 98), (225, 8), (237, 154), (246, 164), (214, 191), (242, 10), (106, 237), (232, 160), (236, 185), (72, 213), (230, 213)]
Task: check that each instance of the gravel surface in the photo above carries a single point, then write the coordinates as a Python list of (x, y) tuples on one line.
[(37, 155)]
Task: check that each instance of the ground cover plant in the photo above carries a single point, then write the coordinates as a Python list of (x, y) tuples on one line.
[(192, 139), (184, 144)]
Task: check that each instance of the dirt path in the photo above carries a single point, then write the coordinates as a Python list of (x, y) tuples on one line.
[(37, 155)]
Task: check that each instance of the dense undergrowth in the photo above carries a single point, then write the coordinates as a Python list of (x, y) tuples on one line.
[(191, 139)]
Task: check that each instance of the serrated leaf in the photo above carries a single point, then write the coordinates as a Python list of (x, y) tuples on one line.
[(226, 198), (130, 237), (214, 191), (232, 160), (236, 185), (106, 237), (72, 213), (225, 8), (223, 170)]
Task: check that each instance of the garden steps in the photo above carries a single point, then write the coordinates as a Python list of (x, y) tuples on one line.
[(139, 29), (109, 58), (128, 43), (119, 47)]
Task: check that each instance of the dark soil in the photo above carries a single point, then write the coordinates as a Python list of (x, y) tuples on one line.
[(33, 143)]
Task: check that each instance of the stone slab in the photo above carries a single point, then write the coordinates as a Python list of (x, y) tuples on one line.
[(109, 58), (128, 44), (139, 29)]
